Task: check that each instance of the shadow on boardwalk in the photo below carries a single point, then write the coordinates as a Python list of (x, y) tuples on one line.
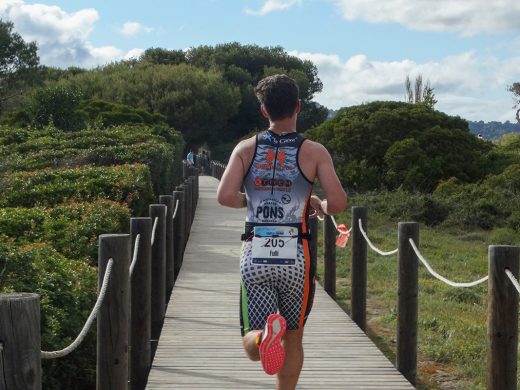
[(201, 347)]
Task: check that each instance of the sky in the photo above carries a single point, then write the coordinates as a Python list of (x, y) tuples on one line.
[(469, 50)]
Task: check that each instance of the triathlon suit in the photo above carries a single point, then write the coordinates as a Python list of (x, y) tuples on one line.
[(278, 194)]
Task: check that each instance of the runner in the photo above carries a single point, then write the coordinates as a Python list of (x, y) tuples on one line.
[(277, 168)]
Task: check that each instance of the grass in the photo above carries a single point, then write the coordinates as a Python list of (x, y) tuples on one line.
[(452, 321)]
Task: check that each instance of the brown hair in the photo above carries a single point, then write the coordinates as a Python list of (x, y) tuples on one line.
[(279, 95)]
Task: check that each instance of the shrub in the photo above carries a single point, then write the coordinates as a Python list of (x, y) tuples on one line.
[(128, 184), (67, 292), (160, 148), (22, 224), (73, 229), (56, 105)]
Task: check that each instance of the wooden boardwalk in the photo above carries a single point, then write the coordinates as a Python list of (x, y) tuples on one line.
[(200, 345)]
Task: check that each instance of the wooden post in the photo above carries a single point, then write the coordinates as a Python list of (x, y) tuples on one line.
[(167, 200), (184, 169), (20, 342), (158, 272), (187, 191), (140, 285), (358, 299), (114, 314), (329, 256), (407, 305), (193, 198), (178, 232), (502, 319), (183, 189)]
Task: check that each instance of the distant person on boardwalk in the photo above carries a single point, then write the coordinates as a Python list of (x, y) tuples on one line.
[(204, 162), (277, 168), (190, 158)]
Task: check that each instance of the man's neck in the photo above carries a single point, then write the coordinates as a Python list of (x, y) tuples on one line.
[(283, 126)]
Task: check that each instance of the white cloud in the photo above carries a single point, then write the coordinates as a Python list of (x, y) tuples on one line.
[(133, 28), (468, 17), (134, 54), (61, 36), (272, 6), (464, 84)]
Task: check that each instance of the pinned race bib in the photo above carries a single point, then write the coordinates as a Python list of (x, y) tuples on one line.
[(275, 245), (342, 239)]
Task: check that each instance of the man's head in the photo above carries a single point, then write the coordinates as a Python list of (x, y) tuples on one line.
[(279, 95)]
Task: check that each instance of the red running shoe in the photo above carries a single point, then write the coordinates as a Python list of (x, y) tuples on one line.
[(271, 350)]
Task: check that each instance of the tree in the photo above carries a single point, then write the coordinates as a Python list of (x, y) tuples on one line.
[(515, 88), (196, 102), (56, 104), (419, 94), (18, 64), (244, 66), (389, 144)]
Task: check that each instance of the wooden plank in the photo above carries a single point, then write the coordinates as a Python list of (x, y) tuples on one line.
[(201, 347)]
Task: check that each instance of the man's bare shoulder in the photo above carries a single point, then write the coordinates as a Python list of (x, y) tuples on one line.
[(246, 143), (313, 148), (245, 150)]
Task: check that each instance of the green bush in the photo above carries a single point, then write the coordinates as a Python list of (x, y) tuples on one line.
[(23, 224), (159, 147), (128, 184), (404, 206), (72, 229), (56, 105), (67, 290)]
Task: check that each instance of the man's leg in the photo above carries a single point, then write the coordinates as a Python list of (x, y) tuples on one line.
[(250, 345), (287, 378)]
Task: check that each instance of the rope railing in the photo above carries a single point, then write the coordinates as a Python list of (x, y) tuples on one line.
[(136, 250), (513, 280), (154, 229), (65, 351), (374, 248), (442, 278), (335, 224), (176, 208)]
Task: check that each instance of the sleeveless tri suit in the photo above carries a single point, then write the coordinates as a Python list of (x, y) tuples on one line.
[(278, 195)]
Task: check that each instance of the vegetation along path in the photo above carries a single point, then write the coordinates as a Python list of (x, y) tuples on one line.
[(200, 345)]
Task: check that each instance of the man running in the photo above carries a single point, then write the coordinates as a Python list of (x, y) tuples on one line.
[(277, 168)]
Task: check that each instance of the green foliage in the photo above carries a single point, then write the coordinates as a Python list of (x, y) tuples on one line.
[(56, 105), (392, 144), (111, 114), (244, 66), (67, 292), (128, 184), (401, 205), (160, 147), (18, 64), (72, 229), (193, 100)]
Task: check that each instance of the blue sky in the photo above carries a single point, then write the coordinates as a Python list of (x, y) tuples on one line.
[(468, 50)]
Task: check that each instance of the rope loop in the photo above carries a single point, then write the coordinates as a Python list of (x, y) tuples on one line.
[(176, 208), (136, 250), (513, 280), (154, 229), (440, 277), (88, 323), (374, 248)]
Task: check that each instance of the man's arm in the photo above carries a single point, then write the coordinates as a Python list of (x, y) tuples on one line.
[(228, 192), (336, 198)]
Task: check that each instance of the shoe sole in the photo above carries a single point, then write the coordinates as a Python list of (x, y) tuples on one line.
[(271, 350)]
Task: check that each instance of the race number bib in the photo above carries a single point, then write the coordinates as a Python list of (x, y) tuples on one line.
[(275, 245)]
